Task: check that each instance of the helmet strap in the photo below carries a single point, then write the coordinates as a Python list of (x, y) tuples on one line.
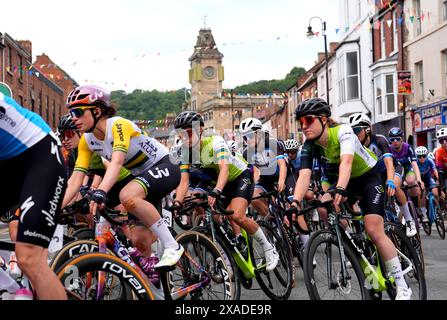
[(95, 121), (322, 130)]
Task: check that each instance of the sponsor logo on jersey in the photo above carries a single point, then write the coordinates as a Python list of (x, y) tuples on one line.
[(5, 118), (119, 129)]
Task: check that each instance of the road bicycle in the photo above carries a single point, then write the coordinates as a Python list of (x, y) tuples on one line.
[(435, 211), (246, 260), (111, 273), (348, 265)]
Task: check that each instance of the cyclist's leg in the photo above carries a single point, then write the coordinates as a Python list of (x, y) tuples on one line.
[(153, 185), (373, 204), (43, 188), (260, 205), (240, 192)]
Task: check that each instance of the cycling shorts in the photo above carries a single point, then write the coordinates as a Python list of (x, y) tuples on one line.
[(36, 180)]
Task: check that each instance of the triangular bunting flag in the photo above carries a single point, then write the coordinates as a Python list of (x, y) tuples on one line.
[(400, 20), (388, 22), (336, 30), (412, 19), (422, 17), (346, 29)]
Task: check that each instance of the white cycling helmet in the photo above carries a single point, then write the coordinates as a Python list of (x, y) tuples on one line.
[(442, 133), (431, 156), (421, 151), (249, 125), (359, 119), (232, 145), (291, 144)]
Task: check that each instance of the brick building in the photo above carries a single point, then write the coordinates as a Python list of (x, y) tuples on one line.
[(32, 87)]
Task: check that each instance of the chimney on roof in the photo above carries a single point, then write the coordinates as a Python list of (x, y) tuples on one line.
[(321, 56), (333, 46), (27, 46)]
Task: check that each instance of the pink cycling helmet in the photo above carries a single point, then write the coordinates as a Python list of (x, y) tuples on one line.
[(89, 95)]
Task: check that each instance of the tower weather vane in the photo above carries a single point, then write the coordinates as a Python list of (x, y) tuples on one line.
[(204, 21)]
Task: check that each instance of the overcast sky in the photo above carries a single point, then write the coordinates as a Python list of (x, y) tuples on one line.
[(104, 40)]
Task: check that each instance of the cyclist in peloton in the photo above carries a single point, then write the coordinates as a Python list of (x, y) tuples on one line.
[(362, 127), (230, 175), (122, 143), (34, 177), (428, 169), (352, 166), (404, 154), (441, 156)]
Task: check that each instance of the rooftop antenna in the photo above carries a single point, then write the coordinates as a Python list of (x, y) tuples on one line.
[(204, 21)]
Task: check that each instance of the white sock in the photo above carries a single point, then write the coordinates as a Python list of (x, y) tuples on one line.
[(161, 230), (260, 237), (424, 211), (404, 209), (395, 269), (304, 238)]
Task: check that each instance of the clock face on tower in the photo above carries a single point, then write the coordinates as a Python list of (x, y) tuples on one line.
[(209, 72)]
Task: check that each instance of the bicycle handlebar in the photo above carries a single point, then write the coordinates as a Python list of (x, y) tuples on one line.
[(204, 203)]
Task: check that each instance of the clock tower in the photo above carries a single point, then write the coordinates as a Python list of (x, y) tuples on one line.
[(206, 73)]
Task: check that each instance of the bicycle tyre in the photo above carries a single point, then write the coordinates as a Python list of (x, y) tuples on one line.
[(84, 234), (191, 240), (285, 261), (439, 220), (404, 245), (227, 255), (133, 284), (328, 237), (73, 249)]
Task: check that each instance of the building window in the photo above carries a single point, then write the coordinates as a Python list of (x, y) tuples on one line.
[(21, 71), (48, 110), (10, 59), (378, 94), (444, 54), (322, 86), (40, 103), (420, 75), (352, 75), (21, 101), (444, 9), (390, 96), (330, 78), (341, 81), (54, 114), (395, 32), (418, 17), (382, 40), (384, 94)]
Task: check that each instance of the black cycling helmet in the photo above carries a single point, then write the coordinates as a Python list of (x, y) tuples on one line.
[(66, 123), (395, 132), (315, 106), (185, 119)]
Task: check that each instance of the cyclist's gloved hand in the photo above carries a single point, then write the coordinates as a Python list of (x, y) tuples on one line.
[(176, 205), (84, 190), (99, 196), (213, 195), (390, 184)]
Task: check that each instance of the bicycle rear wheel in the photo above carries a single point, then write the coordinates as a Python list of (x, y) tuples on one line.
[(323, 270), (277, 284), (413, 272)]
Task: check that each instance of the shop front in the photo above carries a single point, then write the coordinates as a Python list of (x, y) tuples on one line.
[(425, 121)]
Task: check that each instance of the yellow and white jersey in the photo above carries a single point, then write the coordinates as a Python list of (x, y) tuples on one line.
[(142, 152)]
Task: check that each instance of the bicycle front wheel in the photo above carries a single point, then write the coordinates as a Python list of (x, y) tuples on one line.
[(276, 284), (201, 264), (323, 270), (80, 277), (441, 211)]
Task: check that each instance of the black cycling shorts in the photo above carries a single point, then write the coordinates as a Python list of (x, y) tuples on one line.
[(159, 181), (241, 187), (36, 180), (370, 187), (267, 183)]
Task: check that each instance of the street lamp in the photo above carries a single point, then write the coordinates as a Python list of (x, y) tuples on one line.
[(310, 35)]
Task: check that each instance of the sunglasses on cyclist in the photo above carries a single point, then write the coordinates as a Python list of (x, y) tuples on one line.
[(421, 156), (397, 139), (307, 120), (67, 134), (442, 140), (357, 130), (79, 111), (249, 135)]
